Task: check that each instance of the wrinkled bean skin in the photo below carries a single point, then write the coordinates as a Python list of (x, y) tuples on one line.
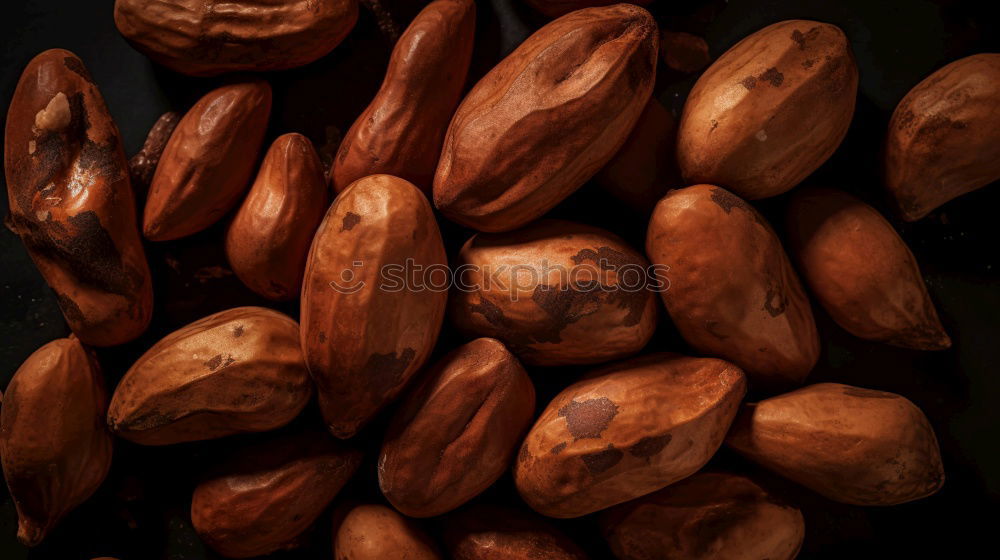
[(578, 305), (770, 110), (733, 292), (268, 495), (53, 462), (627, 430), (944, 136), (211, 37), (645, 166), (458, 431), (852, 445), (715, 516), (268, 241), (400, 133), (861, 271), (239, 370), (208, 162), (487, 532), (376, 532), (503, 163), (71, 203), (364, 337)]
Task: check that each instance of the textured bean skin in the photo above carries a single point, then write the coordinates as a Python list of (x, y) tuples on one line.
[(852, 445), (375, 532), (53, 462), (268, 241), (861, 271), (944, 136), (716, 516), (556, 293), (266, 496), (733, 292), (626, 430), (239, 370), (770, 110), (208, 162), (365, 331), (70, 200), (210, 37), (488, 532), (457, 432), (401, 131), (503, 163)]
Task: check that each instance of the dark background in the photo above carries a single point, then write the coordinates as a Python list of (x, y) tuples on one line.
[(141, 510)]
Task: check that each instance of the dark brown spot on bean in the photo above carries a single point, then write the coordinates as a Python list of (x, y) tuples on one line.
[(385, 371), (650, 446), (350, 220), (601, 461), (749, 82), (588, 419), (868, 393), (773, 77), (557, 449), (218, 362)]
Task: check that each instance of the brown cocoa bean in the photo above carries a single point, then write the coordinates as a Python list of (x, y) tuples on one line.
[(54, 446), (770, 110), (142, 165), (487, 532), (556, 293), (239, 370), (268, 241), (208, 161), (944, 136), (861, 271), (627, 430), (401, 131), (457, 433), (715, 516), (268, 495), (375, 532), (733, 293), (210, 37), (852, 445), (366, 326), (70, 200), (504, 163)]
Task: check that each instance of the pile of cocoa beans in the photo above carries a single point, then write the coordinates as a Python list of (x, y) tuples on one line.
[(359, 390)]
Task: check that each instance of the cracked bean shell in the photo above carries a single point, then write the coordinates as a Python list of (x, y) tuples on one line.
[(733, 292), (489, 532), (715, 516), (268, 241), (556, 293), (770, 110), (367, 324), (211, 37), (944, 136), (861, 271), (208, 162), (504, 164), (239, 370), (52, 461), (458, 431), (71, 203), (401, 131), (852, 445), (267, 496), (377, 532), (627, 430)]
